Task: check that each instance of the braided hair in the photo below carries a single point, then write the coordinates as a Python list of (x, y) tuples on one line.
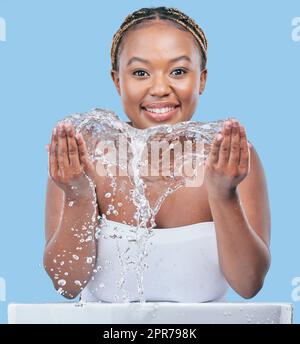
[(140, 17)]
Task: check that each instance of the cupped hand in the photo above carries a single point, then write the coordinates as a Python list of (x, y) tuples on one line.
[(228, 162), (70, 166)]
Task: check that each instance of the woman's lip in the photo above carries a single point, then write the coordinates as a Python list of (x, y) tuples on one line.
[(159, 117)]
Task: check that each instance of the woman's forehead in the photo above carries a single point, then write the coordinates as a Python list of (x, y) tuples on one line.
[(160, 39)]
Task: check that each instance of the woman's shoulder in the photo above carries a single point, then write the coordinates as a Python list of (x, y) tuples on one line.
[(253, 191), (254, 157), (255, 181)]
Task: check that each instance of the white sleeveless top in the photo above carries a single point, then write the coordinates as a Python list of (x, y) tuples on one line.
[(182, 265)]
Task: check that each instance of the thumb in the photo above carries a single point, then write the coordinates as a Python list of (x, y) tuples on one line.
[(88, 166)]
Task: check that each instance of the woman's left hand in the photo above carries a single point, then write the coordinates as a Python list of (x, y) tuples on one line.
[(228, 162)]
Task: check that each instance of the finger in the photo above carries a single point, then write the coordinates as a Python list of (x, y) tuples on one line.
[(72, 147), (53, 163), (83, 154), (215, 149), (82, 149), (225, 145), (62, 154), (234, 157), (245, 151)]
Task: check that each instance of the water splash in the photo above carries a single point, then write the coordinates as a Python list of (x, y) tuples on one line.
[(162, 158)]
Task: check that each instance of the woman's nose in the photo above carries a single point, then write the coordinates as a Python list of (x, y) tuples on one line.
[(160, 86)]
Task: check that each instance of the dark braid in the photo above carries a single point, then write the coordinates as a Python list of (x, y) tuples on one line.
[(143, 15)]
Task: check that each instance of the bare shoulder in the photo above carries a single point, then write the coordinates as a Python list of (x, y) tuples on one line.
[(254, 197)]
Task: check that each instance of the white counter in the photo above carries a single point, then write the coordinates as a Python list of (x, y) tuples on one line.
[(150, 313)]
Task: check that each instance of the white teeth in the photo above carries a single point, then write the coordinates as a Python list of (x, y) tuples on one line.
[(161, 110)]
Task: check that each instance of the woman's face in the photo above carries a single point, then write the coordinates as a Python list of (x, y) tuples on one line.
[(159, 78)]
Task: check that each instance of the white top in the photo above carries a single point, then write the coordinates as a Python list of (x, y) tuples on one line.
[(183, 265)]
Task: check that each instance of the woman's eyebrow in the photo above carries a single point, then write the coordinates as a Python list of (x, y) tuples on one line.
[(175, 59)]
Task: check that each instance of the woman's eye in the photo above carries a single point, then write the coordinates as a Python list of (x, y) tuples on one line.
[(179, 69), (140, 73)]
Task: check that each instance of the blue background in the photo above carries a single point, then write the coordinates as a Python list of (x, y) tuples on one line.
[(56, 61)]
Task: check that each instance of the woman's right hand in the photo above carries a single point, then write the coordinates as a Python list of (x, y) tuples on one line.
[(69, 161)]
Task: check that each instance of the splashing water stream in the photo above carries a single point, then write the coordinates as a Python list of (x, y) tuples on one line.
[(175, 155)]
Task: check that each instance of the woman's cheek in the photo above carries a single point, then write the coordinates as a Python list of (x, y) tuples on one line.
[(185, 86), (133, 88)]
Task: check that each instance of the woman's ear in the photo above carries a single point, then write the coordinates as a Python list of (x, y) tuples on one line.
[(203, 77), (115, 76)]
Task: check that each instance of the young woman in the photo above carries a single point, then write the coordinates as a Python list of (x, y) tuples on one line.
[(159, 70)]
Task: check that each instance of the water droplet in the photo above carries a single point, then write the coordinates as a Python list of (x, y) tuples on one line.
[(89, 260), (107, 195), (77, 282), (71, 203), (60, 290), (75, 257), (61, 282)]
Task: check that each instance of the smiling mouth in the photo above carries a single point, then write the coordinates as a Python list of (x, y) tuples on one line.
[(161, 114)]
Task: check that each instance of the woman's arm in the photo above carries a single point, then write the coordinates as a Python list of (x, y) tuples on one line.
[(71, 215), (70, 250), (241, 214)]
